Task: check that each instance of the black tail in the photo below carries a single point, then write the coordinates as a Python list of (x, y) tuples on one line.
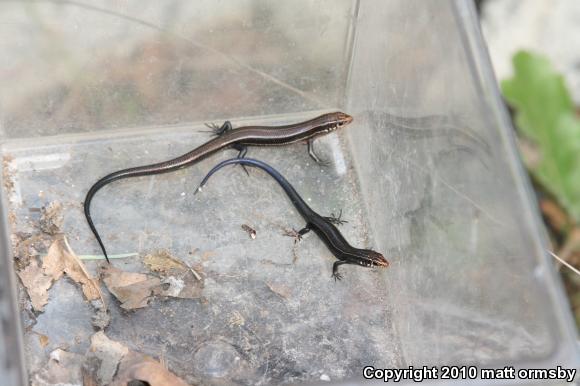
[(248, 162), (87, 205), (298, 202)]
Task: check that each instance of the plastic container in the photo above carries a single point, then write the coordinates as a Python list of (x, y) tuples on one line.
[(427, 173)]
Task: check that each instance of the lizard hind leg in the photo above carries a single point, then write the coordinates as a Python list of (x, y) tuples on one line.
[(336, 220), (242, 151)]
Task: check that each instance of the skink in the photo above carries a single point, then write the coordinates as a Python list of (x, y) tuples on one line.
[(323, 226)]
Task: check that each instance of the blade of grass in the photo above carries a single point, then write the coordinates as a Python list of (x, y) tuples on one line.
[(102, 257)]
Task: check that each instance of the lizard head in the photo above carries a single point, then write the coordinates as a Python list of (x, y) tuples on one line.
[(373, 259), (327, 123)]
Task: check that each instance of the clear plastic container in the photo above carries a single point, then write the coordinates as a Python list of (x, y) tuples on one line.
[(427, 173)]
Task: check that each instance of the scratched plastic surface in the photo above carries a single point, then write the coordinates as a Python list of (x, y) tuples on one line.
[(426, 173)]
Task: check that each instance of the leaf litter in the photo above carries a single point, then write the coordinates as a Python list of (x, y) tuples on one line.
[(135, 290), (37, 285), (59, 260), (63, 368), (164, 263), (51, 218), (135, 366), (38, 271), (106, 362)]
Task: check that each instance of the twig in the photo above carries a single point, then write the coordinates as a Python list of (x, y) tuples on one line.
[(564, 262), (193, 272)]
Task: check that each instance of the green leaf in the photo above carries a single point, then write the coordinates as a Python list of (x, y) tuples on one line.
[(545, 114)]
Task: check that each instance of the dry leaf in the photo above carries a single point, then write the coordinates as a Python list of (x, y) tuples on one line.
[(26, 246), (143, 368), (184, 286), (163, 262), (114, 277), (166, 264), (43, 340), (76, 270), (61, 259), (58, 261), (109, 354), (280, 289), (571, 246), (136, 295), (133, 290), (36, 284), (554, 214), (88, 379), (107, 357), (179, 281), (63, 368), (54, 263)]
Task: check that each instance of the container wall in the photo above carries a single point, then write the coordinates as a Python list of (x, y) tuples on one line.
[(70, 67), (470, 280), (426, 174), (11, 363)]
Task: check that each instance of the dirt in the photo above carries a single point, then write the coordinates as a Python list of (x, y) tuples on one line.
[(51, 218), (7, 177), (26, 246)]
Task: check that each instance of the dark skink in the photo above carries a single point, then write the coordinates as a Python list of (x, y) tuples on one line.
[(323, 226), (227, 137)]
